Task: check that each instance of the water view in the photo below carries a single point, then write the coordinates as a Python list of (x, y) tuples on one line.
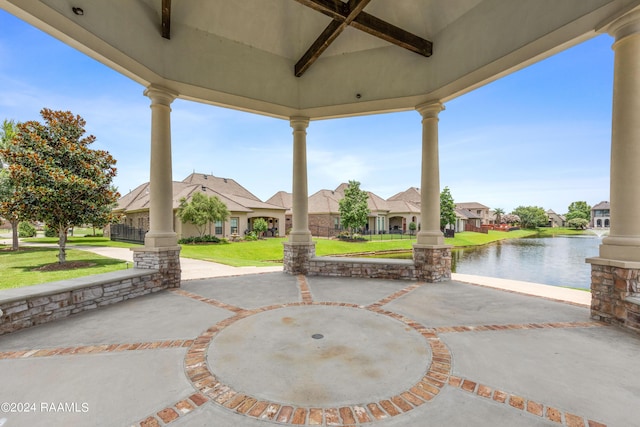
[(558, 261)]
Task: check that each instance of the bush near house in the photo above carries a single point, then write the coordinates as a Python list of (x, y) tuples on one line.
[(201, 239)]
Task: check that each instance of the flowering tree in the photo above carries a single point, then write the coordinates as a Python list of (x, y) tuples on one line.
[(58, 179)]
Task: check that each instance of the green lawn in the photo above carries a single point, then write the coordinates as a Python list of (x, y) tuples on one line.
[(17, 268), (270, 251), (81, 241)]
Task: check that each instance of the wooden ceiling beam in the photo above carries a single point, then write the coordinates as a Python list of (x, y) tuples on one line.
[(166, 19), (395, 35), (330, 33), (352, 13)]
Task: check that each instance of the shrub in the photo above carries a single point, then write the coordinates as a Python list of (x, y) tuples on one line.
[(50, 232), (355, 237), (251, 236), (199, 239), (25, 229)]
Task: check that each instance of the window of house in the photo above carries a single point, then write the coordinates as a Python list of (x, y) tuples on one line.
[(234, 225), (218, 227), (380, 224), (336, 223)]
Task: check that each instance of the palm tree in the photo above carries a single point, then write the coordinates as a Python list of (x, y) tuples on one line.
[(498, 212)]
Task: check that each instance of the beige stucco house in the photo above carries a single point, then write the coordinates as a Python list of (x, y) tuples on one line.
[(386, 216), (244, 207), (484, 212), (555, 220)]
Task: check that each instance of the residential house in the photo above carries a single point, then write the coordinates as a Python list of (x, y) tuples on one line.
[(555, 220), (601, 215), (467, 220), (486, 217), (244, 207), (386, 216)]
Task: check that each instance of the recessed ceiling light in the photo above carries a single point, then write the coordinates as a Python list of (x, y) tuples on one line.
[(78, 11)]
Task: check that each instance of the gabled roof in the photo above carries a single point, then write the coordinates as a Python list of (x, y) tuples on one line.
[(401, 206), (411, 194), (281, 198), (471, 205), (602, 205), (325, 201), (466, 214), (220, 185), (138, 199), (233, 195)]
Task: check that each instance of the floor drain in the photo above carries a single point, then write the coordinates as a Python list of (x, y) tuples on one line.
[(317, 336)]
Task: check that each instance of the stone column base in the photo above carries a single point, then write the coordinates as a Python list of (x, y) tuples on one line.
[(297, 257), (432, 262), (166, 259), (615, 293)]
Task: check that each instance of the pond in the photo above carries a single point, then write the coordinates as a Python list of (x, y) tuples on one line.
[(558, 261)]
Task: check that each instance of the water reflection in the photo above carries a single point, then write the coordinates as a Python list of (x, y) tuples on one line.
[(556, 260)]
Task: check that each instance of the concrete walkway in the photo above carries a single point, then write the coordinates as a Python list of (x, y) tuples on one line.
[(272, 349)]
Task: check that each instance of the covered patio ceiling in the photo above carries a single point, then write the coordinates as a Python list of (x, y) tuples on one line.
[(245, 54)]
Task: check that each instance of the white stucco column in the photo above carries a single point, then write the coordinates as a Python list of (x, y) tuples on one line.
[(623, 243), (430, 233), (300, 232), (161, 233)]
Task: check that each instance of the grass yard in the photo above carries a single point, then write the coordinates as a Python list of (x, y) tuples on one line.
[(18, 269), (81, 241), (269, 251)]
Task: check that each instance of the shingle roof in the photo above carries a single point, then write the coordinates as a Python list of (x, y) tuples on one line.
[(466, 214), (411, 194), (233, 195), (221, 185), (602, 205), (471, 205)]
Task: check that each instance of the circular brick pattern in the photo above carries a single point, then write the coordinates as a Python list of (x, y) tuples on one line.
[(363, 355), (406, 391)]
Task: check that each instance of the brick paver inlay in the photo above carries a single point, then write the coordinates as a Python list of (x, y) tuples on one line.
[(310, 362)]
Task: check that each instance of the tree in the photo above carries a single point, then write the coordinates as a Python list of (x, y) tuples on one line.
[(510, 219), (578, 223), (353, 207), (498, 212), (58, 179), (579, 210), (7, 210), (202, 210), (412, 227), (531, 216), (260, 226), (447, 208)]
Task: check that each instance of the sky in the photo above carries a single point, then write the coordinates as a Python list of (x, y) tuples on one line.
[(537, 137)]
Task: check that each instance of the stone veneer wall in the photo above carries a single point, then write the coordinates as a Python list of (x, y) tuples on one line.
[(429, 264), (432, 263), (33, 305), (297, 257), (165, 260), (615, 295)]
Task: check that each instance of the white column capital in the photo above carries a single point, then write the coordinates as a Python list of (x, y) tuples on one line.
[(625, 25), (430, 110), (160, 95), (299, 123)]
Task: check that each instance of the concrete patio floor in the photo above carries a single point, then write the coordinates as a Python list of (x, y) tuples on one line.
[(273, 349)]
